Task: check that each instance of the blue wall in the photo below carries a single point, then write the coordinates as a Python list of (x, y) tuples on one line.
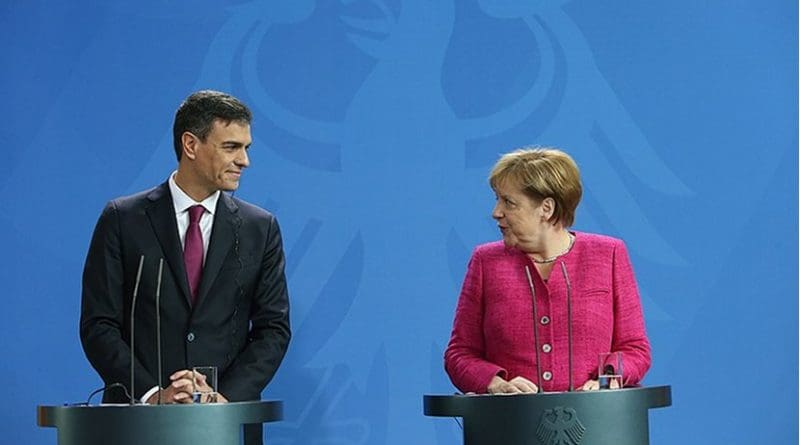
[(375, 125)]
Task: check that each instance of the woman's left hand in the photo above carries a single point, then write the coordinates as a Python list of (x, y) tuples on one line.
[(594, 385)]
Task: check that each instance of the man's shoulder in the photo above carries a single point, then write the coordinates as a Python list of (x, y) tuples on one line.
[(139, 199), (248, 210)]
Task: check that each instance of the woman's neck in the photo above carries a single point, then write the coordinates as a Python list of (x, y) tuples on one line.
[(554, 242)]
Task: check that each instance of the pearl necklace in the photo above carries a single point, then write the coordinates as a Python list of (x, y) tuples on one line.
[(553, 258)]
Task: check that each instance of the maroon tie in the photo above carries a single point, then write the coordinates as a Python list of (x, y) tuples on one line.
[(193, 250)]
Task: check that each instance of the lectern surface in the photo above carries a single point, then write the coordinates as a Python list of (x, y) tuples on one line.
[(156, 424)]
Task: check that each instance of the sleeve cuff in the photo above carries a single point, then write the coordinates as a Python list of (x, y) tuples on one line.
[(147, 395)]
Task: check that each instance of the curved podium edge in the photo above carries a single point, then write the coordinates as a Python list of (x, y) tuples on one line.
[(460, 404), (243, 412)]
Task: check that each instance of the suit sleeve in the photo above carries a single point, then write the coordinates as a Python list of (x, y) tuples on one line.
[(630, 337), (269, 335), (103, 308), (464, 357)]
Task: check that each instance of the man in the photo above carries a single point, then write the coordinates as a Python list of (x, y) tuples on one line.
[(223, 296)]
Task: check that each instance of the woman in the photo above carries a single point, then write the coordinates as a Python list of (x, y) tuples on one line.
[(493, 347)]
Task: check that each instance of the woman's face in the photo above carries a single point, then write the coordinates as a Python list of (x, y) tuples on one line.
[(520, 219)]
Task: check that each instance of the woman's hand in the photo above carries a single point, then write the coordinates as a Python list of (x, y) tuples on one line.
[(517, 385), (594, 385)]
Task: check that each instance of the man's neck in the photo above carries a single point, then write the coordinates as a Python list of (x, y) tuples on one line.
[(196, 193)]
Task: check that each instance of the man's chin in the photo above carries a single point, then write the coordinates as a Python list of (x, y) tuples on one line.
[(229, 186)]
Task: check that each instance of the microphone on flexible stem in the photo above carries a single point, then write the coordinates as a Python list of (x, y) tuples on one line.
[(158, 324), (133, 319), (535, 330), (569, 322)]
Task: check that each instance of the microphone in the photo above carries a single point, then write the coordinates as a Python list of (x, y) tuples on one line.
[(535, 330), (158, 324), (569, 322), (133, 310)]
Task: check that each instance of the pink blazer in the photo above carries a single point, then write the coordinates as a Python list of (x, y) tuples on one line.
[(493, 327)]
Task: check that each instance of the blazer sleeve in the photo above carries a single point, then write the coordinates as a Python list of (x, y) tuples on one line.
[(103, 308), (464, 357), (268, 339), (629, 337)]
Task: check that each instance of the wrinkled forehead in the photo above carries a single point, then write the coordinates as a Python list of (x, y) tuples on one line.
[(506, 183)]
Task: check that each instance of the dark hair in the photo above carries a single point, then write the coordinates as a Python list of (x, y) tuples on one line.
[(199, 111)]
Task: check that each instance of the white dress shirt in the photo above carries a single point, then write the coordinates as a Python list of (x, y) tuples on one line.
[(182, 202)]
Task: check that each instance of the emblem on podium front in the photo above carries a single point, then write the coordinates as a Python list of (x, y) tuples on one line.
[(560, 426)]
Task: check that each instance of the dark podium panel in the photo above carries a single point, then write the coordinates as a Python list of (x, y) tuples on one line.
[(156, 424), (614, 417)]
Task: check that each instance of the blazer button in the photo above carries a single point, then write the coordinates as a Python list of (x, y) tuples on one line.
[(190, 337)]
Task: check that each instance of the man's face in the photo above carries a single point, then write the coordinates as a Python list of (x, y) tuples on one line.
[(221, 158)]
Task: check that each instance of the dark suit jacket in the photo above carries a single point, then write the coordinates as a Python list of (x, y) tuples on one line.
[(240, 322)]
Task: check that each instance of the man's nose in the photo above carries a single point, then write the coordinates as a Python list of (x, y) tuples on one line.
[(243, 160)]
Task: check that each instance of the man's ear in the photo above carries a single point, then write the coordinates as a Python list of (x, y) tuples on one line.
[(189, 143)]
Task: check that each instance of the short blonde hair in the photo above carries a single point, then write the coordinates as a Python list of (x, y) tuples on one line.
[(542, 173)]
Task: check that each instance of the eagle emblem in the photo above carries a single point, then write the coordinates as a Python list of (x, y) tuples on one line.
[(560, 426)]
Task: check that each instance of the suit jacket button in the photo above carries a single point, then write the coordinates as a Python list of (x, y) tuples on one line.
[(190, 337)]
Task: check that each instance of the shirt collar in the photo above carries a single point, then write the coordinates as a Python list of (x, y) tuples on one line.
[(182, 201)]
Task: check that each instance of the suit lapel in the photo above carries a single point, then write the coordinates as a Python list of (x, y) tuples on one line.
[(161, 213), (223, 236)]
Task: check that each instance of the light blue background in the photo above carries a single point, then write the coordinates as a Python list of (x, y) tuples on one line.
[(376, 123)]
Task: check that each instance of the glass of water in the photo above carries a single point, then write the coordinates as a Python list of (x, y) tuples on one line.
[(609, 370), (204, 384)]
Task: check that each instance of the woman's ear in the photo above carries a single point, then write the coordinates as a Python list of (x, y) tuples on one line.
[(548, 208)]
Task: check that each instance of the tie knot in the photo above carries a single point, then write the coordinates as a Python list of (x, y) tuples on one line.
[(195, 212)]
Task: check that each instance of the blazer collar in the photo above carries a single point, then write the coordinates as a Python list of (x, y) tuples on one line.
[(161, 213), (224, 235)]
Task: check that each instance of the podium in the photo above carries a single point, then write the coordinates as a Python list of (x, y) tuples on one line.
[(199, 424), (610, 417)]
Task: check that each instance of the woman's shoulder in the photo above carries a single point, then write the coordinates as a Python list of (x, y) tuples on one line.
[(491, 248), (596, 240), (494, 249)]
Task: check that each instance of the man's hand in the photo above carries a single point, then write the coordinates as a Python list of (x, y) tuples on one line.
[(179, 391), (181, 388), (517, 385)]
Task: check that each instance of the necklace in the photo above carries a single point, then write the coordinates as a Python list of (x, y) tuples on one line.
[(555, 257)]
